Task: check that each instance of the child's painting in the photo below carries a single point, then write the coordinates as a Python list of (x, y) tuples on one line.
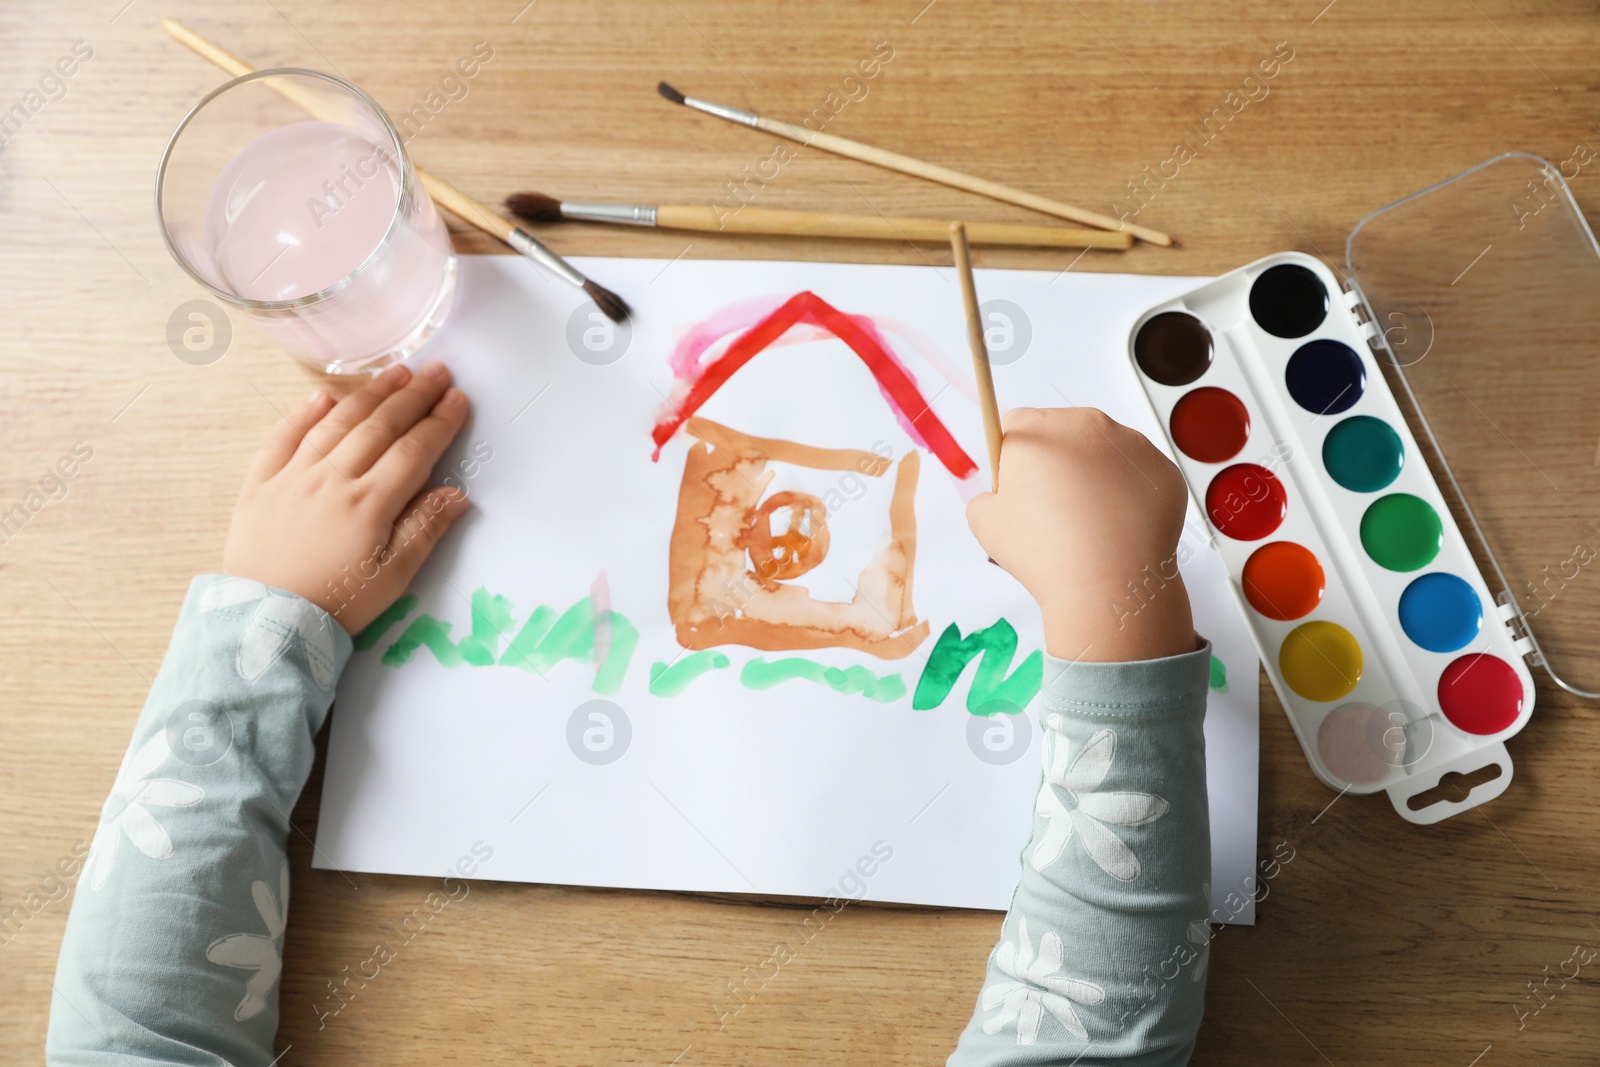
[(716, 622)]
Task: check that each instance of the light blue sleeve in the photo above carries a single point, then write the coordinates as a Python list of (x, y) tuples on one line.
[(1102, 957), (173, 948)]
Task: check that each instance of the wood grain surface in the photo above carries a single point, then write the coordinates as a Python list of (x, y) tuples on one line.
[(1379, 943)]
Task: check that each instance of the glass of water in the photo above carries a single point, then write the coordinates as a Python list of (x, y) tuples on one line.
[(287, 193)]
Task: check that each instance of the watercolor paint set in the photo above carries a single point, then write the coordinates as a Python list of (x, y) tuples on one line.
[(1297, 405)]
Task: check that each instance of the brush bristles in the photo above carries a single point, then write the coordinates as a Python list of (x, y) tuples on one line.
[(535, 207), (610, 304), (669, 92)]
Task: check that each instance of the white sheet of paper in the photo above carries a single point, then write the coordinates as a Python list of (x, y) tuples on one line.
[(724, 788)]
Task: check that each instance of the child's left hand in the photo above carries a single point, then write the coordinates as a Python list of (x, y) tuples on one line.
[(333, 507)]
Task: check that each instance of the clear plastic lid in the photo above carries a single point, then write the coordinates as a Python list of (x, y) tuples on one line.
[(1484, 292)]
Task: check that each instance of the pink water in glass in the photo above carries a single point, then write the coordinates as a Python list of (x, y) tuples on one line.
[(298, 211)]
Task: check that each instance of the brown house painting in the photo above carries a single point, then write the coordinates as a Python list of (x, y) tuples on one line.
[(736, 550)]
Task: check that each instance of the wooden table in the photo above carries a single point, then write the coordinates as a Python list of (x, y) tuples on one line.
[(1380, 943)]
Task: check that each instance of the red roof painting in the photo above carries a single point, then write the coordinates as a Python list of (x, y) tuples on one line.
[(856, 331)]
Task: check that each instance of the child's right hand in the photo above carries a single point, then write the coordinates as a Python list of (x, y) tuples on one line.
[(1086, 506)]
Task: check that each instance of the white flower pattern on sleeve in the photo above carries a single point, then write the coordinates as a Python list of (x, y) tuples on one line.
[(278, 622), (127, 811), (253, 952), (1035, 988), (1090, 811)]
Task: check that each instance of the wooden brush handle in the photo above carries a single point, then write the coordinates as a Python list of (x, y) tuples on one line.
[(237, 67), (444, 194), (876, 227), (471, 211), (841, 146), (980, 350), (205, 49)]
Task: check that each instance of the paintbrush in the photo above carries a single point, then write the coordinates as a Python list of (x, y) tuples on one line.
[(907, 165), (444, 194), (538, 207), (980, 351)]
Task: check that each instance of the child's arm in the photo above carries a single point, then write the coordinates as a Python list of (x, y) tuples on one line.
[(1102, 957), (172, 951)]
